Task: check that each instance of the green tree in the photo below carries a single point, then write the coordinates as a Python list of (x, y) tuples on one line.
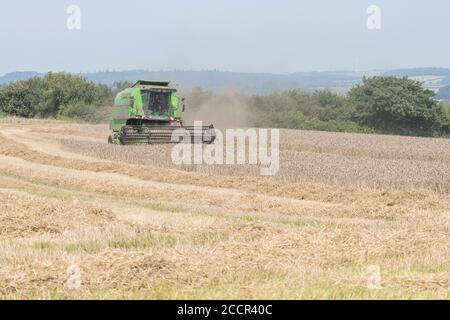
[(61, 89), (18, 99), (398, 105), (51, 95)]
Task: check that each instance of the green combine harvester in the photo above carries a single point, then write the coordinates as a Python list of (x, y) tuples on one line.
[(148, 113)]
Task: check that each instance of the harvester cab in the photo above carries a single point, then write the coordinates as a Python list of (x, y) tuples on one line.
[(148, 113)]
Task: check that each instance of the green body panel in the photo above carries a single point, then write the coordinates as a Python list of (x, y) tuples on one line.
[(121, 110), (176, 112), (137, 109)]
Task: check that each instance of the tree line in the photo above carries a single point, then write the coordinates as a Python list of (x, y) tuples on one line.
[(388, 105), (58, 95)]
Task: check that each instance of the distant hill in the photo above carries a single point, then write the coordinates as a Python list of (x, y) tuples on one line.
[(418, 72), (220, 80), (248, 82), (433, 78), (17, 76), (254, 83), (444, 93)]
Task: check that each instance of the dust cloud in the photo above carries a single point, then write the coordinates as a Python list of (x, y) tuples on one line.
[(224, 110)]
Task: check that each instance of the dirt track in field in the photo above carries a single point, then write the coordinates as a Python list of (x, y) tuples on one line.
[(133, 225)]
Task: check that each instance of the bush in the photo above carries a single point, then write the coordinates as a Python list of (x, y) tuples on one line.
[(296, 120), (294, 109), (85, 113)]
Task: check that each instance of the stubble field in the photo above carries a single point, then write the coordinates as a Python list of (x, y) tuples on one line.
[(83, 219)]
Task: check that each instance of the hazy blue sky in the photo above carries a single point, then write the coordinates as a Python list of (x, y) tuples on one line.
[(249, 35)]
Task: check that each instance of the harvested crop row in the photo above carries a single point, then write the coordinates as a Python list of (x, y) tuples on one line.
[(266, 186), (305, 163)]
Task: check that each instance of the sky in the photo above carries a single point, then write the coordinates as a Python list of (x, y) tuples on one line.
[(282, 36)]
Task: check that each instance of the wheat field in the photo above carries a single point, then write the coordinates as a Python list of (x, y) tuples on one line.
[(83, 219)]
